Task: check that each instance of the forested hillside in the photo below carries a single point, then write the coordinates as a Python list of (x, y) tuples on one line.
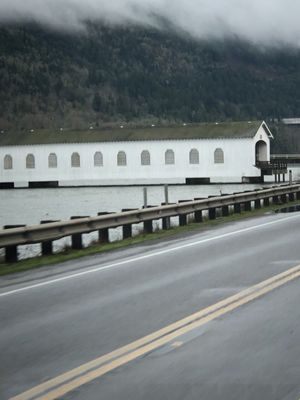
[(114, 75)]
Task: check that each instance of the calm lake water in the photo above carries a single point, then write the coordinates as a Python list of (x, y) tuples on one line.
[(30, 206)]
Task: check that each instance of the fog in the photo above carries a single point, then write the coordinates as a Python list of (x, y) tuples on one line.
[(268, 22)]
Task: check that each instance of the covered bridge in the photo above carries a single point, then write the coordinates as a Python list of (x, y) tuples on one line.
[(187, 153)]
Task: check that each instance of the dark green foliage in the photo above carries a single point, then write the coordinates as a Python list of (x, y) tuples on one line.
[(108, 75), (287, 139)]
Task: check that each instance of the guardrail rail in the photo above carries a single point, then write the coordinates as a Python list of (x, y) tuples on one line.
[(47, 232)]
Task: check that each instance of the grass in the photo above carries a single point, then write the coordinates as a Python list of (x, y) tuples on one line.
[(69, 254)]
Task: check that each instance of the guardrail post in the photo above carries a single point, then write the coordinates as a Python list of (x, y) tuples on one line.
[(283, 198), (298, 195), (11, 252), (291, 196), (225, 211), (127, 229), (103, 233), (237, 208), (183, 217), (212, 213), (266, 202), (166, 221), (47, 246), (148, 226), (77, 237), (247, 206), (275, 199), (257, 204), (198, 216)]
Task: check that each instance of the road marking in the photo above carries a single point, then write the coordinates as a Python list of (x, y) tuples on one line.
[(177, 344), (144, 257), (67, 382)]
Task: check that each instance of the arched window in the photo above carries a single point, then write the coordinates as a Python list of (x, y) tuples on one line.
[(8, 162), (121, 158), (52, 160), (194, 156), (98, 159), (145, 157), (219, 156), (169, 157), (30, 161), (75, 160)]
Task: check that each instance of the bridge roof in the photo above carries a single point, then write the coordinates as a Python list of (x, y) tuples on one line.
[(224, 130)]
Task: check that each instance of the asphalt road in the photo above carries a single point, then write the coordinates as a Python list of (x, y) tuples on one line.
[(56, 319)]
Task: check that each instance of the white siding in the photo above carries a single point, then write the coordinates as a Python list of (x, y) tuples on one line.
[(239, 161)]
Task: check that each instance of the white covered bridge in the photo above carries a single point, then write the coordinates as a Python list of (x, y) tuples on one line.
[(189, 153)]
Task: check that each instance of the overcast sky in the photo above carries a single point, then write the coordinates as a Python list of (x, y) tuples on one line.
[(260, 21)]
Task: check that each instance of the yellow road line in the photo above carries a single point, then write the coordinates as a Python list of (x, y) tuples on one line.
[(71, 380)]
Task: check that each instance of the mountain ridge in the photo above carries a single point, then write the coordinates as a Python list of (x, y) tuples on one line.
[(108, 76)]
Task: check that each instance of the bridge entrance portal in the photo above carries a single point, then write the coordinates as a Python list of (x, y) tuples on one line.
[(261, 152)]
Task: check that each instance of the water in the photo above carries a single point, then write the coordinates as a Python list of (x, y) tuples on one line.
[(30, 206), (291, 209)]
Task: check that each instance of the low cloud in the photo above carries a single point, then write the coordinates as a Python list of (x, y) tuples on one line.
[(267, 22)]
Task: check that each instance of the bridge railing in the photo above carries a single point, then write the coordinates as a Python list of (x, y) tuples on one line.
[(275, 165), (47, 232)]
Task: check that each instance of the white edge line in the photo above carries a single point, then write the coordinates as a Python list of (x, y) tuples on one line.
[(154, 254)]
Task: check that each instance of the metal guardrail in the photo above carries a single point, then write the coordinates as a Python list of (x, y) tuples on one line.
[(57, 230)]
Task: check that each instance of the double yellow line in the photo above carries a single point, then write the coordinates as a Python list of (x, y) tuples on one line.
[(57, 387)]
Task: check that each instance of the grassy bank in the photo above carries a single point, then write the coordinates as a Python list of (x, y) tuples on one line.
[(97, 248)]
